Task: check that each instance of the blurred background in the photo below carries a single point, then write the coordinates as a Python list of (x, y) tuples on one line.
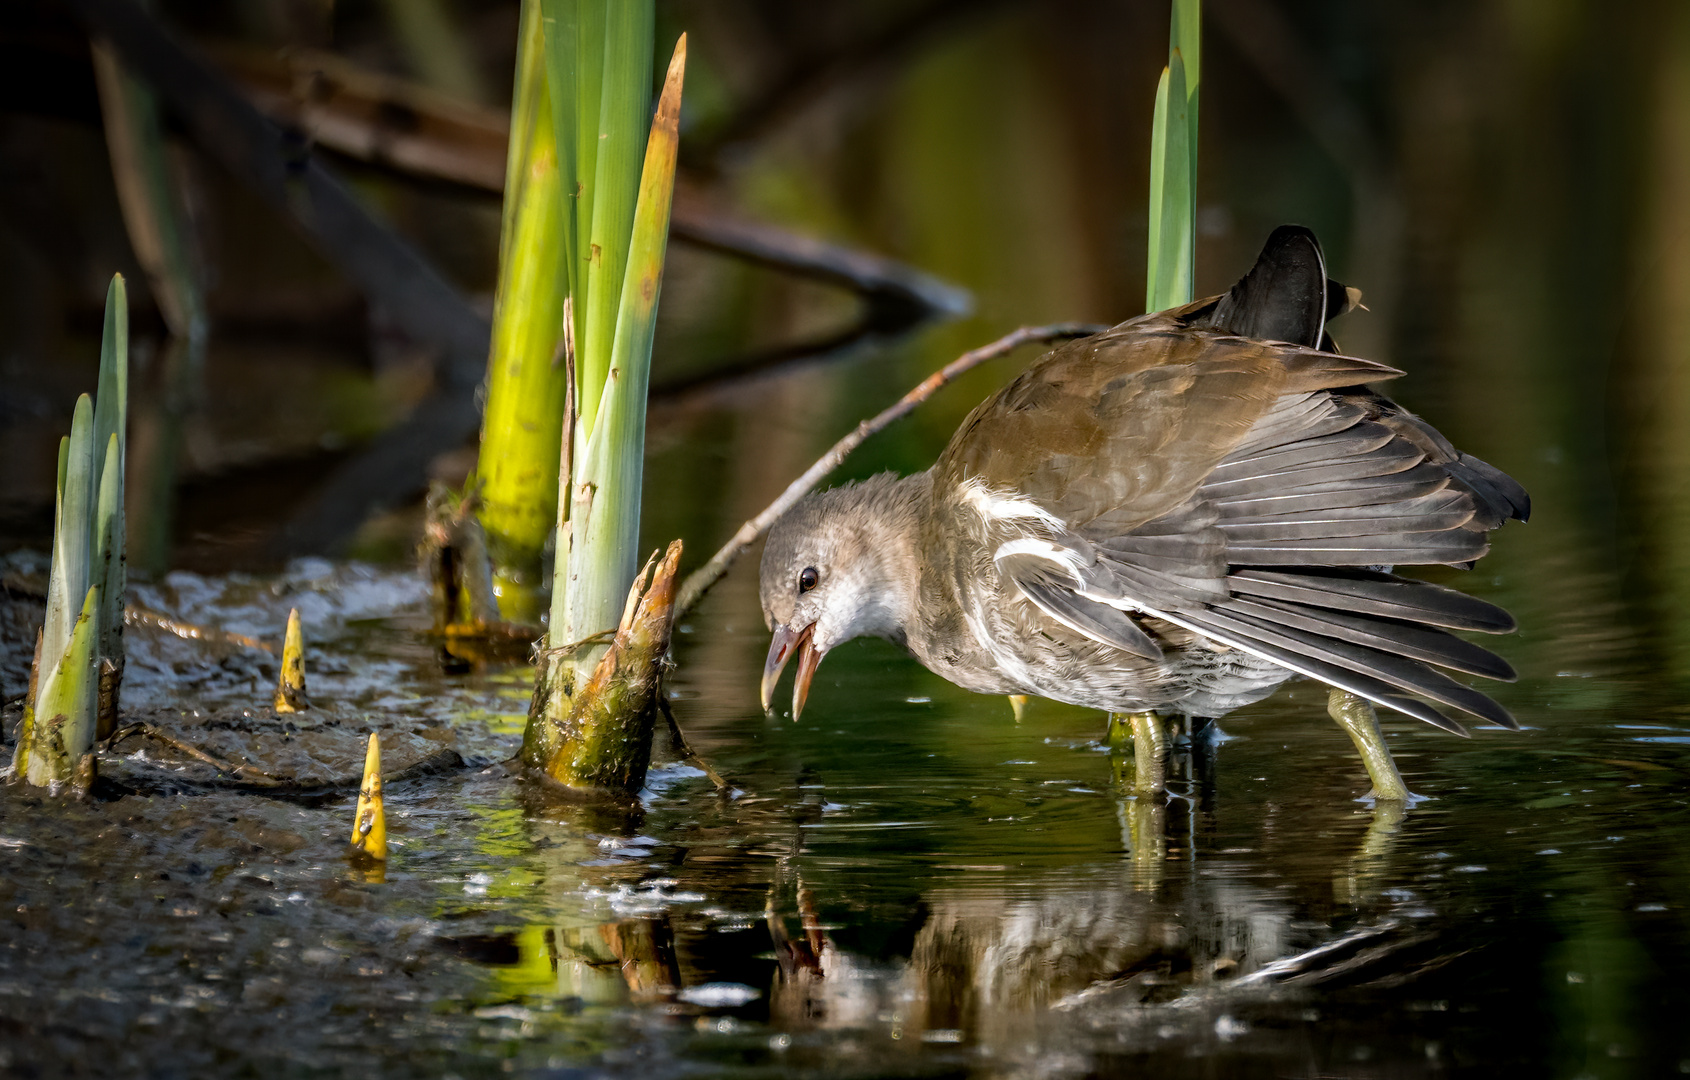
[(1502, 179)]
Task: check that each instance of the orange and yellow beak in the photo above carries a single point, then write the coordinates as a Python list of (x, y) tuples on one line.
[(786, 643)]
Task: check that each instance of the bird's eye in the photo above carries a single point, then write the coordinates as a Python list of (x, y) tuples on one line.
[(808, 579)]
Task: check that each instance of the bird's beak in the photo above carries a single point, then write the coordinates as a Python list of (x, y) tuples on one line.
[(786, 642)]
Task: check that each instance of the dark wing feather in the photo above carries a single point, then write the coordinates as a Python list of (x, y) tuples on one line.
[(1426, 644), (1372, 593), (1287, 296), (1498, 496), (1396, 670), (1099, 622)]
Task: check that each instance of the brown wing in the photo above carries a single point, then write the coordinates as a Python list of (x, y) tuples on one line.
[(1130, 422)]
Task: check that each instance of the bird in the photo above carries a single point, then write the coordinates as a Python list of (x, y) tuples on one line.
[(1170, 519)]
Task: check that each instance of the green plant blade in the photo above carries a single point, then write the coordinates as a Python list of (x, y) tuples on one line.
[(590, 18), (1154, 285), (73, 553), (111, 425), (108, 577), (1185, 36), (62, 728), (526, 379), (111, 401), (623, 111), (560, 24), (606, 537), (107, 568), (1176, 233), (1171, 255), (604, 742)]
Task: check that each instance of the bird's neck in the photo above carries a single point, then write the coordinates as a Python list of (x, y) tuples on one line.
[(893, 530)]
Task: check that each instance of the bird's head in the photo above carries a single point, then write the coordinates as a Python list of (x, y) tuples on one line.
[(838, 565)]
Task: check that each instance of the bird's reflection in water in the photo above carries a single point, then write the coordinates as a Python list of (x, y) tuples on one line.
[(1164, 937), (1368, 871), (1175, 934)]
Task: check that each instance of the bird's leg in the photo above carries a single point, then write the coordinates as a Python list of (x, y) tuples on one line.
[(1018, 703), (1150, 748), (1356, 716)]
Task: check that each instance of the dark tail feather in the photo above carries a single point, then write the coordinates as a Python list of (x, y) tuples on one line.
[(1284, 296)]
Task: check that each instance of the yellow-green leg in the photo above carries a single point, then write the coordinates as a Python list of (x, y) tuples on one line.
[(1356, 716), (1150, 748)]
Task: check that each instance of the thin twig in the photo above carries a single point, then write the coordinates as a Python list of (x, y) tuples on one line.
[(573, 647), (151, 732), (700, 580), (683, 749), (140, 616)]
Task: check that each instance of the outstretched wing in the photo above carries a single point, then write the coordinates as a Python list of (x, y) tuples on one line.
[(1274, 552)]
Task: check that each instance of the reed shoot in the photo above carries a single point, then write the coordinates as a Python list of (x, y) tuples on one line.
[(79, 660), (1173, 165), (527, 377), (369, 824), (592, 718), (290, 687)]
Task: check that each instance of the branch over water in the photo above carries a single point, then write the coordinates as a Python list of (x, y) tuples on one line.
[(700, 580)]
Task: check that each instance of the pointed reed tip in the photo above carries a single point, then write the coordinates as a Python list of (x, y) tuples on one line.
[(290, 686), (677, 65), (369, 823)]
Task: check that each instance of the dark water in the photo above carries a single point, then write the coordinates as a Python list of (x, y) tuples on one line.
[(907, 882)]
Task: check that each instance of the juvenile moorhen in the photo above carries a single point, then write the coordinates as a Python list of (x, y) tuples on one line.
[(1173, 516)]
